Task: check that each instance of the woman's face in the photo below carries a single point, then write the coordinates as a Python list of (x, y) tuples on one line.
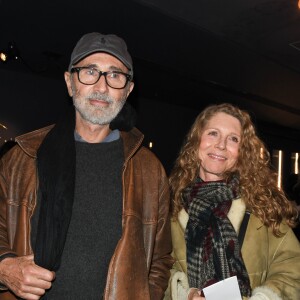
[(219, 146)]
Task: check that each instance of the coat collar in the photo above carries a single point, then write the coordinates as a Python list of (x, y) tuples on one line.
[(235, 215), (31, 141)]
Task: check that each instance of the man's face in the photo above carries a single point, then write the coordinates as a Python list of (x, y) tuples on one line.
[(98, 103)]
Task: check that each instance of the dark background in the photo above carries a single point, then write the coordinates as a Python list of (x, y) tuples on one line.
[(187, 54)]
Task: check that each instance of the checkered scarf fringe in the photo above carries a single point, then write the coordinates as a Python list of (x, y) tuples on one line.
[(213, 251)]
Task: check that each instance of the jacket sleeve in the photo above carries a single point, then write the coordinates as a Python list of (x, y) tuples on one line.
[(178, 288), (284, 265), (4, 241), (5, 249), (162, 260)]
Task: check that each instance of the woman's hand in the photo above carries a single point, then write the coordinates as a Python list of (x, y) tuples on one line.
[(195, 294)]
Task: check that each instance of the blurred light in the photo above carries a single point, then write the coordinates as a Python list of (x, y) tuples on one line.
[(1, 125), (150, 145), (3, 56), (299, 4), (296, 163), (279, 168), (11, 53)]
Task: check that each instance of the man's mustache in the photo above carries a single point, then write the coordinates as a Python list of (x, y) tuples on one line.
[(101, 97)]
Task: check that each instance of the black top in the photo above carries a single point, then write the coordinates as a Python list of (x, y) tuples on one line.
[(96, 223)]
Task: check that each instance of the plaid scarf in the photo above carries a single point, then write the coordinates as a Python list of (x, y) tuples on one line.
[(213, 251)]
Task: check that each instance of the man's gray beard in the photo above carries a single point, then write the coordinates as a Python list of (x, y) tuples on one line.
[(98, 115)]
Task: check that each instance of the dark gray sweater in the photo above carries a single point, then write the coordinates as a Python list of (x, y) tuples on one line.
[(96, 222)]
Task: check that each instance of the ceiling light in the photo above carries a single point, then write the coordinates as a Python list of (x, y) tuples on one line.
[(1, 125), (11, 53), (3, 56)]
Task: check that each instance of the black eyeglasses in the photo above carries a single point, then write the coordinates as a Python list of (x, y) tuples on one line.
[(89, 76)]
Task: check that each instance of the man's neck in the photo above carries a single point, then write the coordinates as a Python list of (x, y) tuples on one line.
[(91, 133)]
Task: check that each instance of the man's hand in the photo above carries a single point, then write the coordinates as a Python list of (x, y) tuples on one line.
[(24, 278)]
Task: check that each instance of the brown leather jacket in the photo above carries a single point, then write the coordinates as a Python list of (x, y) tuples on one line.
[(139, 268)]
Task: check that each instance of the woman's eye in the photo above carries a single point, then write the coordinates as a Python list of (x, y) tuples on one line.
[(234, 139), (213, 133)]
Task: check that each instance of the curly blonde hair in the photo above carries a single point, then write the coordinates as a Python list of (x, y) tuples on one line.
[(258, 182)]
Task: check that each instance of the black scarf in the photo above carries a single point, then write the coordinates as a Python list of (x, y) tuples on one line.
[(56, 173), (213, 251)]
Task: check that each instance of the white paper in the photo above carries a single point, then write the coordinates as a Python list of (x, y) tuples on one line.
[(227, 289)]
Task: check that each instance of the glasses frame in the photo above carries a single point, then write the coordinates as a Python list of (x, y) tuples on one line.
[(78, 69)]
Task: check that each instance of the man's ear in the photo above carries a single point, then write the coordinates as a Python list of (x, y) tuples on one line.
[(131, 86), (68, 83)]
